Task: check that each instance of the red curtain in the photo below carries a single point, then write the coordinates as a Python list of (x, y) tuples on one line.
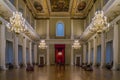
[(60, 58)]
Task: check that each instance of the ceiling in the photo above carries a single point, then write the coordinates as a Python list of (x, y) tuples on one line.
[(59, 8)]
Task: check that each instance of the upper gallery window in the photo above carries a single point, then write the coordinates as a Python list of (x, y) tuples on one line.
[(60, 29)]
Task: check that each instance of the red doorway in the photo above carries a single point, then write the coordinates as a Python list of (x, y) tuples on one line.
[(60, 53)]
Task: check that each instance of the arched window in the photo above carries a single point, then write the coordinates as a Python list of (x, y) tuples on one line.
[(60, 29)]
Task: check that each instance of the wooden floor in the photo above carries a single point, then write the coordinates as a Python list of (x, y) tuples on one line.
[(53, 73)]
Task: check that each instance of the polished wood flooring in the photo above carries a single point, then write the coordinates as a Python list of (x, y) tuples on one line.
[(56, 73)]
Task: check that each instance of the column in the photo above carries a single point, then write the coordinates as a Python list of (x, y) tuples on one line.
[(94, 51), (25, 12), (47, 29), (84, 53), (71, 55), (89, 52), (2, 47), (85, 25), (17, 4), (16, 51), (35, 25), (24, 51), (30, 52), (72, 36), (115, 47), (103, 48), (35, 53), (48, 60)]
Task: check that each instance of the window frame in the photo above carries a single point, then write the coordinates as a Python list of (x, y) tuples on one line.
[(60, 22)]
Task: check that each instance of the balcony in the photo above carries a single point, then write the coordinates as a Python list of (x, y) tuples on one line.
[(7, 7), (108, 8)]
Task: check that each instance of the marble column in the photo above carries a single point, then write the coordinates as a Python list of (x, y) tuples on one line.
[(47, 29), (2, 47), (24, 52), (72, 36), (30, 52), (35, 23), (16, 51), (72, 55), (115, 46), (48, 60), (84, 53), (89, 52), (94, 51), (103, 50), (25, 12), (35, 53), (84, 24)]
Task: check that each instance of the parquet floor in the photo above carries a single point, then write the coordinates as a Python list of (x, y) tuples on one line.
[(53, 73)]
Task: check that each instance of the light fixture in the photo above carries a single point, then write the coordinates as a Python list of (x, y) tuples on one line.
[(42, 44), (76, 44), (99, 22), (17, 23)]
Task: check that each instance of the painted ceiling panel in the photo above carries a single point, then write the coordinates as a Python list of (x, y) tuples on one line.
[(60, 5)]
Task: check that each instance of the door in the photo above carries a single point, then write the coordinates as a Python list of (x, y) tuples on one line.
[(60, 53), (77, 61), (41, 59)]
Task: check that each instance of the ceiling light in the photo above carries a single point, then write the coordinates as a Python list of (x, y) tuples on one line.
[(99, 22), (17, 23), (42, 44), (76, 44)]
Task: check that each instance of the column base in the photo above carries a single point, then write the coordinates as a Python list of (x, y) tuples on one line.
[(72, 64), (102, 66), (115, 68), (94, 65), (48, 64), (3, 68), (17, 66), (25, 65)]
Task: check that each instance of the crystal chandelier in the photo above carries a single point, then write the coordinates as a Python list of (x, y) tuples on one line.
[(99, 22), (17, 23), (76, 44), (42, 44)]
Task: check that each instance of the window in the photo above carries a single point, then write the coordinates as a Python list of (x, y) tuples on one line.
[(60, 29)]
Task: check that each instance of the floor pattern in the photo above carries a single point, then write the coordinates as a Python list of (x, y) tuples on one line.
[(56, 73)]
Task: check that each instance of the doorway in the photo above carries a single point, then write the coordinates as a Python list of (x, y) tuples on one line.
[(78, 60), (60, 53), (41, 60)]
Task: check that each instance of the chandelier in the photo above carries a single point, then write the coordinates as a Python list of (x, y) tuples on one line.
[(17, 23), (42, 44), (99, 22), (76, 44)]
